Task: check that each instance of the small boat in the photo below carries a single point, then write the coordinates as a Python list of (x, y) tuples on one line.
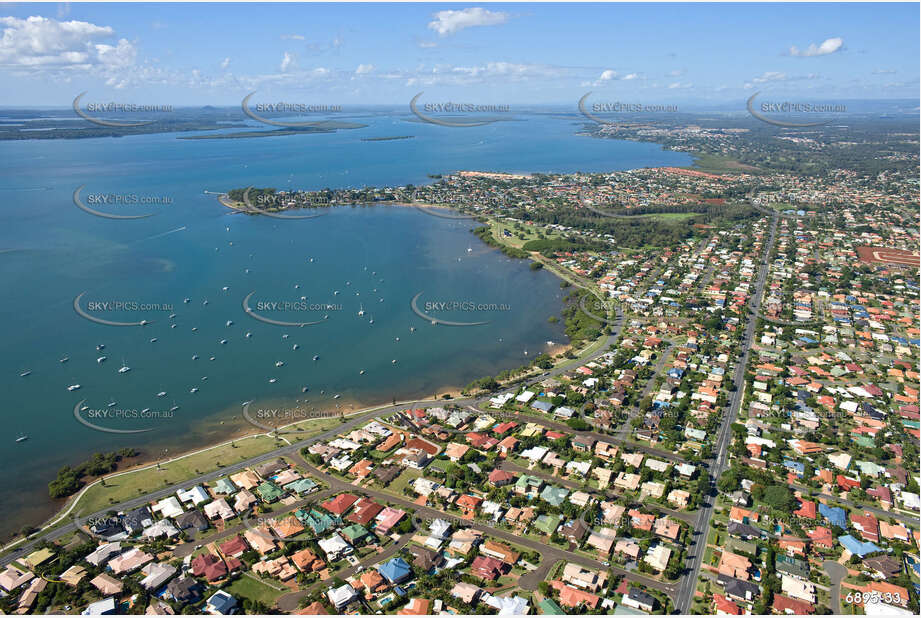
[(73, 387), (371, 321), (22, 438), (25, 373), (272, 380), (225, 288), (229, 323), (205, 303), (295, 346), (195, 357), (101, 359), (297, 286), (412, 329), (336, 396), (469, 249), (187, 300), (361, 311), (304, 389), (194, 389), (65, 359), (172, 316), (124, 368), (397, 338), (194, 328), (84, 408), (211, 358), (204, 378), (101, 347), (144, 322), (174, 408), (393, 362), (161, 394), (223, 342), (172, 326), (285, 336), (362, 372), (113, 403), (279, 363), (248, 335), (153, 339), (316, 357), (336, 293), (145, 410)]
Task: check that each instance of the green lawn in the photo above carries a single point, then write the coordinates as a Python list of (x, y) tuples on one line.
[(135, 483), (253, 589)]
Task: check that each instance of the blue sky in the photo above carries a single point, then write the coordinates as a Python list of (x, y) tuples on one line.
[(198, 54)]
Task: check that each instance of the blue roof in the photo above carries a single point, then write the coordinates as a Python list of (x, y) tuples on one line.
[(395, 570), (796, 466), (542, 406), (834, 514), (858, 548)]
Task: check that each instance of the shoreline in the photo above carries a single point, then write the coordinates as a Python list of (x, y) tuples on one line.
[(148, 459)]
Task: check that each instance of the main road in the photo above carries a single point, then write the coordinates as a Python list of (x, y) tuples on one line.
[(696, 549)]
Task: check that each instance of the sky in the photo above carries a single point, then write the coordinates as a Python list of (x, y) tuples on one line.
[(481, 53)]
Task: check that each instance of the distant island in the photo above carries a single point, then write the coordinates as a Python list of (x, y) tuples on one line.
[(387, 139)]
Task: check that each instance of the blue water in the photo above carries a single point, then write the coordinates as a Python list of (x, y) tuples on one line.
[(51, 251)]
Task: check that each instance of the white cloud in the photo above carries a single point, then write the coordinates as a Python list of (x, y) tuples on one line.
[(770, 76), (364, 69), (828, 46), (42, 43), (631, 76), (607, 75), (883, 71), (451, 22), (292, 37), (287, 62), (225, 63), (681, 85), (777, 76)]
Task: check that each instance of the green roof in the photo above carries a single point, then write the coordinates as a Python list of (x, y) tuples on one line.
[(554, 495), (317, 521), (525, 481), (549, 606), (864, 441), (355, 532), (269, 491), (301, 486), (547, 523), (224, 486)]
